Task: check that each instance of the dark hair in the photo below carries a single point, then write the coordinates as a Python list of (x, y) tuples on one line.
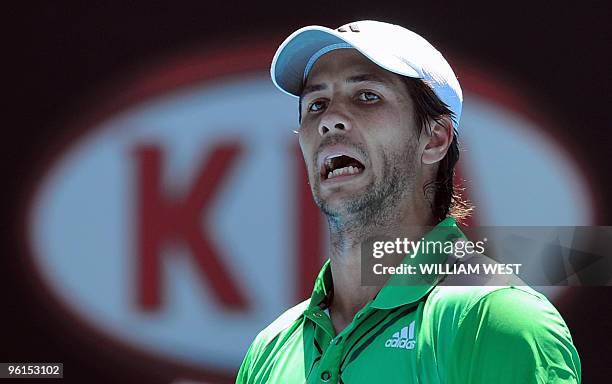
[(443, 195)]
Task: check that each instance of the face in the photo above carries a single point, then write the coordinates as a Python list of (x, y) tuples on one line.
[(358, 136)]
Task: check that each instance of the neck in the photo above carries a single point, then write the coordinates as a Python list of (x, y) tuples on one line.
[(346, 237)]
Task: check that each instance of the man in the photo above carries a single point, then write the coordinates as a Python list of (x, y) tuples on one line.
[(379, 119)]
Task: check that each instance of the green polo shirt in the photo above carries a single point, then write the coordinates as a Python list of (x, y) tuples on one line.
[(429, 333)]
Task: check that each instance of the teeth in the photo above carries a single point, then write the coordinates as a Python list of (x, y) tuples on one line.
[(350, 170)]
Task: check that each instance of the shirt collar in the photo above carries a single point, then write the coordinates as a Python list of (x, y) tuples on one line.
[(323, 288), (395, 292)]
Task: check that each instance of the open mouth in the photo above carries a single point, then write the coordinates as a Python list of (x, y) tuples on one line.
[(340, 165)]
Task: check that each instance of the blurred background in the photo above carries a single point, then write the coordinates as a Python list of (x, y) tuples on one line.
[(156, 214)]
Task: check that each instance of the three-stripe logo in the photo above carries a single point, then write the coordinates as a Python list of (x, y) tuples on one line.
[(403, 339)]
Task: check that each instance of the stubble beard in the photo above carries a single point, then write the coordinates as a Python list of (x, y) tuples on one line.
[(379, 205)]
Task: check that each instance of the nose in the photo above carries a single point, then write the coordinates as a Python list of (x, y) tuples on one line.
[(323, 129), (333, 121)]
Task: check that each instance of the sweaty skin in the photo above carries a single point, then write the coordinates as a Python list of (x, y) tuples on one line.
[(351, 104), (368, 163)]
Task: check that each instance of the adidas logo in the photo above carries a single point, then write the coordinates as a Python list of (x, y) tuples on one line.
[(403, 339)]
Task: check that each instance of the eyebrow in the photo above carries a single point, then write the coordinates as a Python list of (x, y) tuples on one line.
[(352, 79)]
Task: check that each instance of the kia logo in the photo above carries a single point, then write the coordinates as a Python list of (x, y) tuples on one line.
[(179, 221)]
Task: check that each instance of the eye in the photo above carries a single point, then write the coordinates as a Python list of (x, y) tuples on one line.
[(316, 106), (368, 96)]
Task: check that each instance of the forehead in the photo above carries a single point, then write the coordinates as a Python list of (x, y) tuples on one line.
[(341, 64)]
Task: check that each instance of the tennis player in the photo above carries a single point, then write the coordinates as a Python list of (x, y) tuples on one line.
[(379, 125)]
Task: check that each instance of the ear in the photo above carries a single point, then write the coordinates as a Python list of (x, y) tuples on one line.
[(438, 140)]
